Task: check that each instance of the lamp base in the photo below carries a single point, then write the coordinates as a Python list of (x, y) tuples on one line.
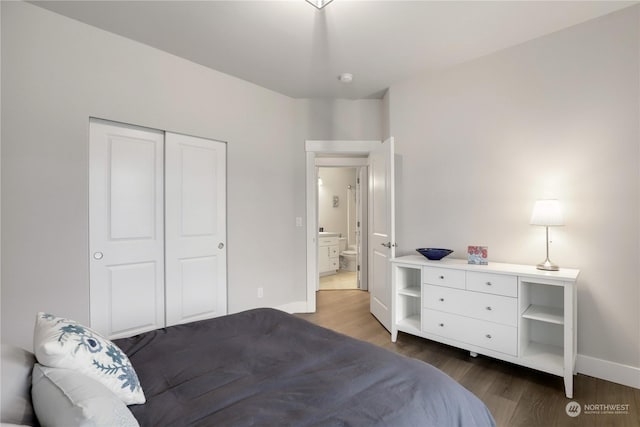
[(547, 265)]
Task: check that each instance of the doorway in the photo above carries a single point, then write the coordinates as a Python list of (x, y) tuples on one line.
[(378, 157), (341, 217)]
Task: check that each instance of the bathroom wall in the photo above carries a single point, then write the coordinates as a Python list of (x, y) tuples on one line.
[(334, 183)]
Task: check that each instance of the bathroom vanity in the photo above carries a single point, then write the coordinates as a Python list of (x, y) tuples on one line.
[(328, 253)]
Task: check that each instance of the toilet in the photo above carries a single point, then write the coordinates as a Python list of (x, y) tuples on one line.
[(347, 255)]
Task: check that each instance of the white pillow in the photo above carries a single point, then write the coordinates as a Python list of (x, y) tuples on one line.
[(16, 408), (64, 343), (63, 397)]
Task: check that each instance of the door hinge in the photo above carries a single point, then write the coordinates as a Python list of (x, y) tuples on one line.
[(358, 224), (358, 268), (357, 180)]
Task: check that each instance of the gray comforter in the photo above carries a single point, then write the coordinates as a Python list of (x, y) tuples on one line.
[(265, 367)]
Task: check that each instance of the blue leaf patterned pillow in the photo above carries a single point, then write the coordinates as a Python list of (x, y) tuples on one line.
[(64, 343)]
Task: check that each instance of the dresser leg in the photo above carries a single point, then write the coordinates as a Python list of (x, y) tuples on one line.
[(568, 385), (473, 354)]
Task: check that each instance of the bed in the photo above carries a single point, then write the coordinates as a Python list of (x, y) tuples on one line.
[(266, 367), (258, 367)]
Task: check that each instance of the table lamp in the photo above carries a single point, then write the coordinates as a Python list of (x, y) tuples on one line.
[(549, 214)]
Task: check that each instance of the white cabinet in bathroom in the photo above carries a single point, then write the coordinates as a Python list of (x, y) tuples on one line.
[(328, 255)]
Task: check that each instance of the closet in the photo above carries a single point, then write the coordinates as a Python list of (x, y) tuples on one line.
[(157, 228)]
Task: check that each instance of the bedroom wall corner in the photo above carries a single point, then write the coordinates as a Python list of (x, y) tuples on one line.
[(386, 118)]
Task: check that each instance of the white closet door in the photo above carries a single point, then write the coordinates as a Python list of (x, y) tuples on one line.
[(195, 228), (125, 229)]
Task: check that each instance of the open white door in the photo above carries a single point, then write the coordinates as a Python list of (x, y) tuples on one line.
[(382, 245)]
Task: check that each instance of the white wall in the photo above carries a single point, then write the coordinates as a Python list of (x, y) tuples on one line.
[(340, 119), (554, 117), (56, 73)]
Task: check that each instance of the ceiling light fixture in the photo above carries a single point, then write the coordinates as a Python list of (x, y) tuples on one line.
[(345, 77), (319, 3)]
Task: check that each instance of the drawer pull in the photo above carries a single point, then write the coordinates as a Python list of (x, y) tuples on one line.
[(441, 300), (489, 308), (441, 324), (488, 336), (489, 283), (441, 277)]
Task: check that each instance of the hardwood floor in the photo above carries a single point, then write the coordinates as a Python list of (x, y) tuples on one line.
[(516, 396)]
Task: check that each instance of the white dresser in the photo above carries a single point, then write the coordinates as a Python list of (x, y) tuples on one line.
[(515, 313)]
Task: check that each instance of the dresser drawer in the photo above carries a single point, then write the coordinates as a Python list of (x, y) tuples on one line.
[(444, 277), (446, 325), (489, 335), (493, 308), (498, 284)]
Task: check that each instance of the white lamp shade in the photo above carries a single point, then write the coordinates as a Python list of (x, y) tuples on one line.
[(547, 212)]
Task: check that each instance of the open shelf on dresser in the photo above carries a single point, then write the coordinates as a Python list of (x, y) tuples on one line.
[(544, 314), (411, 322), (407, 299)]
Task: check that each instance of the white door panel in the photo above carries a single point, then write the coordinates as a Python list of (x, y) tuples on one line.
[(198, 296), (126, 228), (195, 229), (128, 285), (132, 180), (381, 231)]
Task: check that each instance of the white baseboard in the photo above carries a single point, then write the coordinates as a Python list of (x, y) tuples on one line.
[(610, 371), (294, 307)]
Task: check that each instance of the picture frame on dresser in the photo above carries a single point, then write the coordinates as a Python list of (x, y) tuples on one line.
[(510, 312)]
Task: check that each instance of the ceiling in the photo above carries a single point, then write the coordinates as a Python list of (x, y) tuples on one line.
[(291, 47)]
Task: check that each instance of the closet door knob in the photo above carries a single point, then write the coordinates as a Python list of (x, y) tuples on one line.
[(98, 255), (220, 245), (489, 308), (441, 299), (441, 324), (441, 277), (488, 336)]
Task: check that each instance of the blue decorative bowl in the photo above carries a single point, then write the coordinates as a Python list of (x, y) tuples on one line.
[(434, 253)]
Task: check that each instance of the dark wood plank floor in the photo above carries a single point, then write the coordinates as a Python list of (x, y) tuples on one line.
[(515, 395)]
